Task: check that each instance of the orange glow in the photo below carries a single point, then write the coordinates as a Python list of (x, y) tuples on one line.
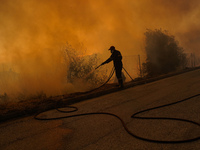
[(33, 32)]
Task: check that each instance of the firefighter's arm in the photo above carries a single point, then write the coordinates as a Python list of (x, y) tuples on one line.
[(107, 61)]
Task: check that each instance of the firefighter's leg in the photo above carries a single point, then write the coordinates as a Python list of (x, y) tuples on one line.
[(119, 77), (121, 85)]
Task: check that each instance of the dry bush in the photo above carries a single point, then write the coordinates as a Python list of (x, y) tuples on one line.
[(164, 55), (81, 67)]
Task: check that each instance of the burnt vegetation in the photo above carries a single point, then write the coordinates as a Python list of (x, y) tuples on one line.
[(164, 55), (82, 67)]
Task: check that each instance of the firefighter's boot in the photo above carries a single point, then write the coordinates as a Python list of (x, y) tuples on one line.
[(120, 81)]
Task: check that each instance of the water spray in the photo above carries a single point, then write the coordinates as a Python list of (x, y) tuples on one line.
[(92, 71)]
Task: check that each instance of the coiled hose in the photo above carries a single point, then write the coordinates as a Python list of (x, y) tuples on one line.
[(134, 116)]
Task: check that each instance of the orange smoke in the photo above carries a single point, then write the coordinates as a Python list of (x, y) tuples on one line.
[(33, 33)]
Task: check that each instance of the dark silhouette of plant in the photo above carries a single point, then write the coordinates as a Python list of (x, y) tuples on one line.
[(82, 67), (163, 53)]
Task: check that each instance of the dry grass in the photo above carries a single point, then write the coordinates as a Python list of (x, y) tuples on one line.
[(30, 106), (12, 109)]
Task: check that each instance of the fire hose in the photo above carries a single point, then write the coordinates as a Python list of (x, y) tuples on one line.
[(109, 77), (134, 116)]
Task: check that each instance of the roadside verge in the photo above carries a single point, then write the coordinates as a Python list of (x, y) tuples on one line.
[(43, 104)]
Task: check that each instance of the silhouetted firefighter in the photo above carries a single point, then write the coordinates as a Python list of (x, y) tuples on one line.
[(117, 61)]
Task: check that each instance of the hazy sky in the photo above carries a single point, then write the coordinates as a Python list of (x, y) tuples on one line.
[(32, 32), (37, 24)]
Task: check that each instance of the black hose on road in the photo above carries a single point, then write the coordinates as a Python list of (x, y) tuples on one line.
[(134, 116)]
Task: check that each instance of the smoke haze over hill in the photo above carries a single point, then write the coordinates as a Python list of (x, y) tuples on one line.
[(33, 32)]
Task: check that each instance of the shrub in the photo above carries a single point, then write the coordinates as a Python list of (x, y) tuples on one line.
[(81, 67), (163, 53)]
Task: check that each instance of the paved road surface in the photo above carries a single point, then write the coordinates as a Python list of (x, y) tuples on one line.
[(102, 132)]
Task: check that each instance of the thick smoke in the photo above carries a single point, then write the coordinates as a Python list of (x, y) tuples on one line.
[(33, 34)]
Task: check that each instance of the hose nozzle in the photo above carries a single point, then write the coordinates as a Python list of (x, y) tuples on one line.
[(97, 67)]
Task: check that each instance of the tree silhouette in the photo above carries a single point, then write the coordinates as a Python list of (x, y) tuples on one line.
[(81, 66), (163, 53)]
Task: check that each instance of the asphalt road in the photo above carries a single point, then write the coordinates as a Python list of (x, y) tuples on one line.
[(104, 132)]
